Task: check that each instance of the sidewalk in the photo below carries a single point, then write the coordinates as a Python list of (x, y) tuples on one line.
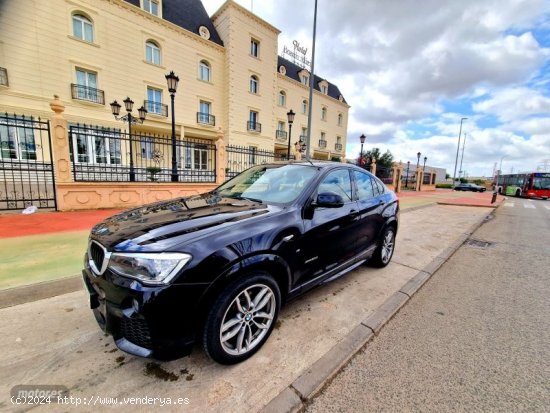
[(334, 320)]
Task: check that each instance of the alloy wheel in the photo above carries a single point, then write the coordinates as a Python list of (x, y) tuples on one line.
[(387, 246)]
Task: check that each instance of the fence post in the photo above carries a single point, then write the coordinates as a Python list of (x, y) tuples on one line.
[(419, 178), (220, 158), (373, 167), (60, 143)]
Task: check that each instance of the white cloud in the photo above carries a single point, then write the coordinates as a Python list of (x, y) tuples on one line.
[(401, 63)]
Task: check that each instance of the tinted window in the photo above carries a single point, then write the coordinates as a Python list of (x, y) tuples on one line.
[(378, 186), (364, 185), (337, 182)]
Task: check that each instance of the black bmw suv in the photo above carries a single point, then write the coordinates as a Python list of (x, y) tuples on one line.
[(217, 267)]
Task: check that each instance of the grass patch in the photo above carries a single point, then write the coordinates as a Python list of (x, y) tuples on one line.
[(37, 258)]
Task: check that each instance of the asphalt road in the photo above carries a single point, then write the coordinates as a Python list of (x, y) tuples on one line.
[(476, 337)]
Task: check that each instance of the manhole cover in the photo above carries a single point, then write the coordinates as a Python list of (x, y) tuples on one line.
[(478, 243)]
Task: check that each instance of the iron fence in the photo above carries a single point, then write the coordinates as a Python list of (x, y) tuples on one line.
[(384, 174), (26, 167), (101, 154), (240, 158)]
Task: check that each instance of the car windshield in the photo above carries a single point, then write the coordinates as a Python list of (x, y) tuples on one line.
[(279, 184)]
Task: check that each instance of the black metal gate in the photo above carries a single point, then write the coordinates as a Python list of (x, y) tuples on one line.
[(26, 163)]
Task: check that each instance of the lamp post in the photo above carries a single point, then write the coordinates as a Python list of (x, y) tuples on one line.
[(129, 105), (407, 177), (416, 173), (290, 116), (460, 171), (362, 139), (172, 82), (457, 149), (424, 167)]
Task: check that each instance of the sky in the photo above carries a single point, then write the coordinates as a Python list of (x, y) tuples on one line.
[(411, 70)]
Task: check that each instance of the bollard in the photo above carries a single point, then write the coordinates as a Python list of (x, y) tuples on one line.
[(494, 198)]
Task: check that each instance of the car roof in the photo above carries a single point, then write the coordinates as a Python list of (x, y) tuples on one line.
[(317, 163)]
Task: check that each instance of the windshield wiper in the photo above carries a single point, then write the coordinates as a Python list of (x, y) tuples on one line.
[(251, 199)]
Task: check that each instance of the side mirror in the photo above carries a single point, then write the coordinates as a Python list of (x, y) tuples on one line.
[(329, 200)]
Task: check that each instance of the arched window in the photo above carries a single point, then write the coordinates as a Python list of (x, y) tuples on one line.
[(204, 71), (282, 98), (152, 52), (304, 106), (323, 113), (83, 28), (254, 83)]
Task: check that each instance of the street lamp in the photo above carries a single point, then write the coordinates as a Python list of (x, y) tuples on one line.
[(407, 178), (362, 139), (142, 113), (460, 171), (416, 173), (290, 116), (424, 167), (172, 82), (457, 149)]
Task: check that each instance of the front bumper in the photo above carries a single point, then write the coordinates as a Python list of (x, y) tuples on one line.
[(159, 322)]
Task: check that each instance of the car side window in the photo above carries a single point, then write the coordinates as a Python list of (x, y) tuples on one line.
[(364, 185), (379, 187), (337, 182)]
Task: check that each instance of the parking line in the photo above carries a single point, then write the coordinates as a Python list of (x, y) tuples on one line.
[(508, 204), (529, 206), (547, 206)]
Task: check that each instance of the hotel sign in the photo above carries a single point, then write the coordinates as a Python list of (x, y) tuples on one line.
[(298, 54)]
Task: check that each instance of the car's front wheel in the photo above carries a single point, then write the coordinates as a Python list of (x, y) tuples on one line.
[(384, 252), (242, 318)]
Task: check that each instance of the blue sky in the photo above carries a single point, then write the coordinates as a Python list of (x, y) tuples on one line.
[(411, 70)]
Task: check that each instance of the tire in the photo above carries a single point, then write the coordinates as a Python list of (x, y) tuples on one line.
[(518, 193), (384, 252), (247, 327)]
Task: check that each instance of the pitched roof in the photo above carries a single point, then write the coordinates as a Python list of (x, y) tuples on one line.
[(188, 14), (293, 70)]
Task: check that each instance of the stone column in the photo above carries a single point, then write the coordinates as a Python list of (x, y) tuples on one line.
[(221, 158), (60, 142), (419, 178), (373, 167), (397, 173)]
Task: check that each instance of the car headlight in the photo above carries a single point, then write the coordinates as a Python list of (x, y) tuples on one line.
[(149, 268)]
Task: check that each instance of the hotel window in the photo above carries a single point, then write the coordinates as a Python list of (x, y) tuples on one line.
[(282, 98), (205, 109), (254, 84), (304, 79), (3, 76), (151, 6), (324, 89), (254, 47), (340, 117), (323, 113), (204, 71), (304, 106), (152, 52), (83, 28), (97, 146), (154, 101), (147, 146), (86, 87), (17, 140)]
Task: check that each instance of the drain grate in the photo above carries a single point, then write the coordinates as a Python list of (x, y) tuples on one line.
[(476, 243)]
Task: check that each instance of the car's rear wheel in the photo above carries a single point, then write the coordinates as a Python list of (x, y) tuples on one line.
[(384, 252), (242, 318)]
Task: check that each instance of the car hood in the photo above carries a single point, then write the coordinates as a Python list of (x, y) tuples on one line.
[(163, 225)]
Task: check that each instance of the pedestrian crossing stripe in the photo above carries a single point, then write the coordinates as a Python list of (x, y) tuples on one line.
[(547, 207), (529, 206), (508, 204)]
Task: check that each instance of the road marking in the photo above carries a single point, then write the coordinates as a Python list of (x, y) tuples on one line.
[(529, 206), (508, 204), (547, 206)]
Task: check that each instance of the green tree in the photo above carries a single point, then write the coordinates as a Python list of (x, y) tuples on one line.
[(384, 160)]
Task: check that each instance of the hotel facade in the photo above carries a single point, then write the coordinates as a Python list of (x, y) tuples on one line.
[(234, 90)]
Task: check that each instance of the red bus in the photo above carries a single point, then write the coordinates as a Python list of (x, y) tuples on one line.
[(529, 185)]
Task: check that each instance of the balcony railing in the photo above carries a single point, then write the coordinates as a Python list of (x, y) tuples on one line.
[(87, 93), (281, 135), (338, 147), (156, 108), (322, 143), (253, 126), (3, 77), (206, 119)]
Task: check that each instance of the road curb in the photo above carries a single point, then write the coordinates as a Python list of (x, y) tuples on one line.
[(39, 291), (303, 390)]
